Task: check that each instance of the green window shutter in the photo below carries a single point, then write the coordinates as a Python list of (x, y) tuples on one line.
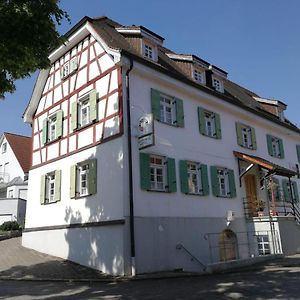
[(59, 124), (45, 131), (298, 152), (93, 105), (73, 171), (295, 190), (171, 174), (253, 138), (214, 181), (145, 171), (281, 148), (74, 121), (155, 104), (239, 128), (57, 185), (231, 184), (218, 126), (201, 120), (184, 182), (285, 189), (43, 189), (179, 113), (204, 179), (92, 179), (269, 144)]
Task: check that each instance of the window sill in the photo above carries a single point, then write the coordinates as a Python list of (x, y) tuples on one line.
[(170, 124), (158, 191), (49, 203), (210, 136), (81, 196), (85, 126), (53, 141)]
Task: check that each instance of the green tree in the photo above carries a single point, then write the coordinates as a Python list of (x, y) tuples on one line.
[(27, 35)]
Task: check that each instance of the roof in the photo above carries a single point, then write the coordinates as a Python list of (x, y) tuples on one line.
[(271, 167), (21, 146), (107, 31)]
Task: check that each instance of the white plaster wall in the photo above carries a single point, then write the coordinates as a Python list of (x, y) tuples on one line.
[(107, 204), (15, 207), (13, 169), (19, 191), (95, 247), (188, 143)]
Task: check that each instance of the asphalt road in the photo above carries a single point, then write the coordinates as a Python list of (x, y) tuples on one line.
[(281, 281)]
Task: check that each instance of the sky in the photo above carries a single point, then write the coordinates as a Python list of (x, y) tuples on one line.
[(256, 41)]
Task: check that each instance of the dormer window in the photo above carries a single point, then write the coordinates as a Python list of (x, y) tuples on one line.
[(149, 51), (217, 84), (199, 76)]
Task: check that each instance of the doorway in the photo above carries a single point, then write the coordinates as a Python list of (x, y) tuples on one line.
[(251, 194), (228, 245)]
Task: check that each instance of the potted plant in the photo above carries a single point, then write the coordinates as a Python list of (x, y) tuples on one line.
[(259, 207)]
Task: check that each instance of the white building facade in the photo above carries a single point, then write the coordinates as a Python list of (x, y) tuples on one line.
[(106, 202), (15, 153)]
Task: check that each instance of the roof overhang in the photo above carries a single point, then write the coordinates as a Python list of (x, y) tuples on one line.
[(265, 164)]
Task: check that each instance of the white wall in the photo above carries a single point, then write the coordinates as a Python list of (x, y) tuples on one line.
[(13, 168), (188, 143), (14, 208)]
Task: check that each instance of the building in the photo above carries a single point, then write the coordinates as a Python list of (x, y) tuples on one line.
[(15, 153), (146, 158)]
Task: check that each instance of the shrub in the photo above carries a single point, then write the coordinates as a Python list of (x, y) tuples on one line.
[(10, 225)]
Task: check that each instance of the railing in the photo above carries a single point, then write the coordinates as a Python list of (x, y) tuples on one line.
[(193, 257), (281, 208)]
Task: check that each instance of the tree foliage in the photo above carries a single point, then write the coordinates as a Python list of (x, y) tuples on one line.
[(27, 35)]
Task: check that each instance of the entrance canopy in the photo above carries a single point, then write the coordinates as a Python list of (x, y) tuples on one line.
[(265, 164)]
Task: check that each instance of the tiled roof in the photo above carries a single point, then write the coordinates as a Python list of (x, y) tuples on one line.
[(21, 146), (234, 93)]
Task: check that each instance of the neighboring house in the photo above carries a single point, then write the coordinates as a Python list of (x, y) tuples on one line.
[(205, 190), (15, 155)]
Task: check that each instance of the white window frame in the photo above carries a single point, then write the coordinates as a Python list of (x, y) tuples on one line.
[(247, 137), (194, 178), (52, 126), (199, 76), (4, 147), (84, 104), (210, 124), (167, 109), (148, 51), (50, 188), (69, 67), (223, 180), (263, 241), (158, 173), (10, 194), (83, 179), (276, 147), (218, 84)]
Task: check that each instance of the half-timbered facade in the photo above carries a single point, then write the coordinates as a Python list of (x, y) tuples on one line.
[(106, 194)]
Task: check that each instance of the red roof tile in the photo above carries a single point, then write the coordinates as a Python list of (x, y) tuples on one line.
[(21, 146)]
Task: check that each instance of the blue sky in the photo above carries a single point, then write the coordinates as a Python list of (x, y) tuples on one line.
[(257, 42)]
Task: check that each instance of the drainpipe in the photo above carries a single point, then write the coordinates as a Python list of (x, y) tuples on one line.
[(292, 198), (131, 210)]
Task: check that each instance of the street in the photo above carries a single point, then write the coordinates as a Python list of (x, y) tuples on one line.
[(274, 281)]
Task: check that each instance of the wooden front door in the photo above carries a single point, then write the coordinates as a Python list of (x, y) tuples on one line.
[(251, 194)]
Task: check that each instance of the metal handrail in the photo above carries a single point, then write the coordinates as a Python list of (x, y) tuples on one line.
[(193, 257)]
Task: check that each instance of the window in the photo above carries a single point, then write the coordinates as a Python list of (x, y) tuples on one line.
[(50, 187), (148, 52), (83, 179), (273, 189), (53, 127), (298, 152), (263, 245), (167, 109), (199, 76), (10, 194), (217, 84), (245, 136), (69, 67), (193, 178), (275, 146), (4, 147), (287, 191), (223, 183), (157, 173), (209, 123), (84, 111)]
